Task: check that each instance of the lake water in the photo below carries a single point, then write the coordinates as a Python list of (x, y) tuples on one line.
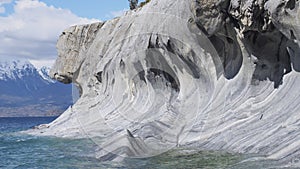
[(22, 151)]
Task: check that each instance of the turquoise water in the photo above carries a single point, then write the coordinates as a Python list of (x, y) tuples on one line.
[(22, 151)]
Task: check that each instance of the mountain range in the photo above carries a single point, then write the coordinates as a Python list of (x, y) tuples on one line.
[(28, 91)]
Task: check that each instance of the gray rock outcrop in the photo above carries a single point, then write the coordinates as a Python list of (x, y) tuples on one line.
[(218, 74)]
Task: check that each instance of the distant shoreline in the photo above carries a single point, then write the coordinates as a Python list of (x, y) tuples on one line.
[(29, 116)]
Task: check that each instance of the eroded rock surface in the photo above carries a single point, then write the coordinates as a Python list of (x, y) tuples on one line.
[(218, 74)]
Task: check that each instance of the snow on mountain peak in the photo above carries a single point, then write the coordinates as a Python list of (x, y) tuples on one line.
[(17, 68), (14, 68), (44, 73)]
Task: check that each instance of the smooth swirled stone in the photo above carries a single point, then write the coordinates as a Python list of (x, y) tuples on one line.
[(219, 75)]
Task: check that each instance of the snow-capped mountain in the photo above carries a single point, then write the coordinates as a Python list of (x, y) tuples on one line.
[(15, 69), (44, 73), (23, 85)]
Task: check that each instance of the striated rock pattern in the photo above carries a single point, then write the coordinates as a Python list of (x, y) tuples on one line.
[(216, 75)]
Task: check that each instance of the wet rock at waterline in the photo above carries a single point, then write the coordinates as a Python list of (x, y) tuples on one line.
[(219, 75)]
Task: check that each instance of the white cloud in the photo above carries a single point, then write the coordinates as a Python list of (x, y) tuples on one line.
[(5, 1), (40, 63), (32, 30), (118, 13), (2, 2), (2, 9)]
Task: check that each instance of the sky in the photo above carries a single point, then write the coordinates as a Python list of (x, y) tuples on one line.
[(30, 28)]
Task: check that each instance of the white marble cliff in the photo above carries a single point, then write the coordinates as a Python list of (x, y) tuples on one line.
[(216, 75)]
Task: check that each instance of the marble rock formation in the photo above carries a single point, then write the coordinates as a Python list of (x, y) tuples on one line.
[(216, 75)]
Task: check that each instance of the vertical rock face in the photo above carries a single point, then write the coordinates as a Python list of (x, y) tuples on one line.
[(220, 75)]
